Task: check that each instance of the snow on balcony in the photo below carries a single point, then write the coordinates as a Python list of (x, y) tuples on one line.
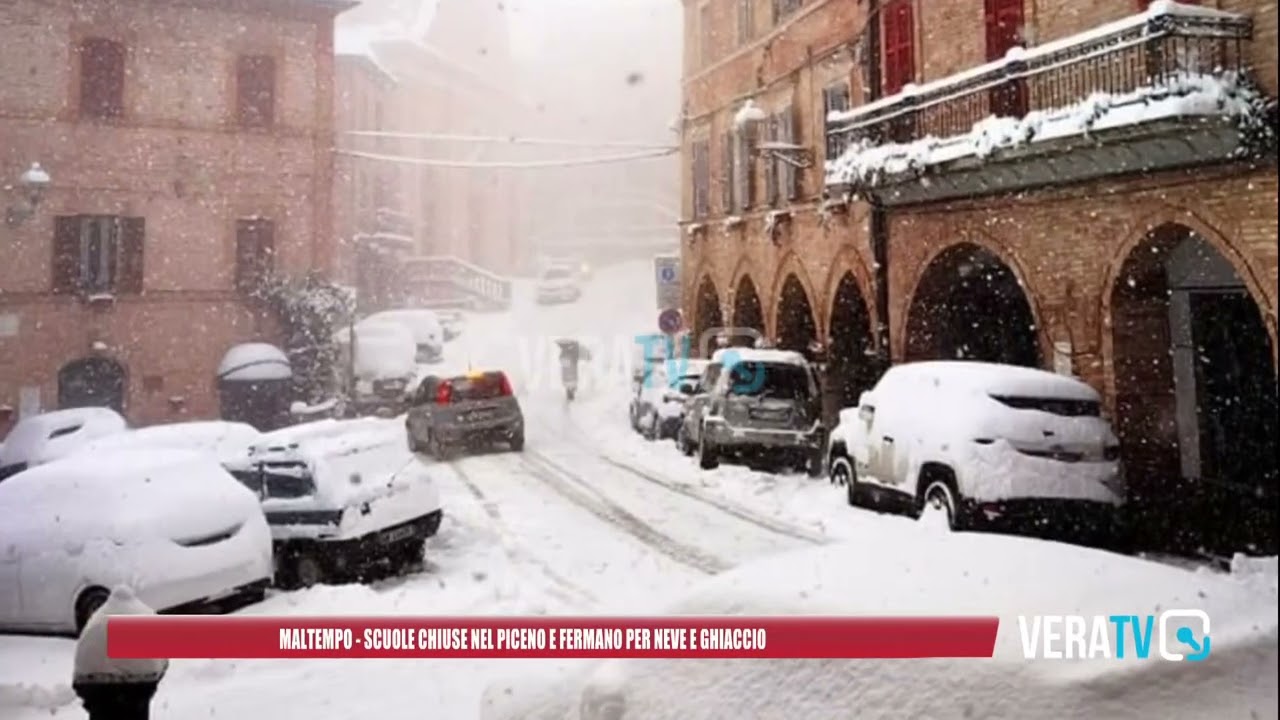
[(1171, 61)]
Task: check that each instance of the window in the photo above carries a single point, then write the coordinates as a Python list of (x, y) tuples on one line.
[(700, 157), (728, 181), (705, 54), (898, 30), (256, 90), (788, 178), (771, 194), (746, 21), (101, 78), (98, 254), (255, 252), (835, 98), (743, 166), (783, 8), (1004, 21)]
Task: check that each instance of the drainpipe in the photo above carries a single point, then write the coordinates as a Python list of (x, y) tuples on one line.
[(879, 217)]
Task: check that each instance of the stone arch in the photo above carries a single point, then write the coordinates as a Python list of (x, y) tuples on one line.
[(748, 310), (788, 267), (852, 365), (1193, 374), (708, 310), (94, 381), (970, 302), (795, 323), (848, 263)]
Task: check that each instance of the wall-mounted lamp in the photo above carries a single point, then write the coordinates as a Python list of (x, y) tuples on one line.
[(31, 188)]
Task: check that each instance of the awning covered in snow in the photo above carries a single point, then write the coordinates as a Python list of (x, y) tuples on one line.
[(254, 362)]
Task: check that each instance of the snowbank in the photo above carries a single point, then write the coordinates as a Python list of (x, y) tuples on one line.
[(254, 362), (946, 574), (43, 438)]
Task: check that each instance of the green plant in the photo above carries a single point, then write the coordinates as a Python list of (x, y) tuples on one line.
[(311, 311)]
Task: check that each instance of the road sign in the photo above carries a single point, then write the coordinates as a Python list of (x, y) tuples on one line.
[(670, 321), (667, 273)]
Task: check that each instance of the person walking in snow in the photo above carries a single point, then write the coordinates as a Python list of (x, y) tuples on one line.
[(114, 688), (571, 353)]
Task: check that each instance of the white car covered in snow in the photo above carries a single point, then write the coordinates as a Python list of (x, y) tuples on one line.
[(341, 496), (219, 439), (46, 437), (952, 575), (428, 332), (383, 365), (558, 284), (171, 524), (989, 445), (658, 406)]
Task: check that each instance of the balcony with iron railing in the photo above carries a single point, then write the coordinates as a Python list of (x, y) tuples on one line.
[(1167, 88)]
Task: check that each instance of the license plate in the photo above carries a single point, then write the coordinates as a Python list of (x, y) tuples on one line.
[(397, 534), (478, 416), (770, 414)]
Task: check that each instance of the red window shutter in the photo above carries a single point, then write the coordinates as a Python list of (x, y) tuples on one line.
[(1004, 20), (133, 233), (66, 254), (898, 22)]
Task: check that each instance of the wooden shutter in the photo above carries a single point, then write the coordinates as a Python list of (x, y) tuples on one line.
[(133, 233), (255, 246), (1004, 20), (65, 277), (771, 164), (101, 78), (790, 135), (256, 90), (727, 179), (898, 21)]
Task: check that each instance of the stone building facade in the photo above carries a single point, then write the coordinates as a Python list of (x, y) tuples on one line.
[(189, 146), (995, 208)]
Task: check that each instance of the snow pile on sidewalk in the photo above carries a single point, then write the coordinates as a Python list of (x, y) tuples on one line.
[(1184, 95), (956, 574)]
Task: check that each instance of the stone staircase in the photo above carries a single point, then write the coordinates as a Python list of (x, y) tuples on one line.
[(446, 281)]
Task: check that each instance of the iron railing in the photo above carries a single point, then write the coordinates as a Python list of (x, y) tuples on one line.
[(1148, 50)]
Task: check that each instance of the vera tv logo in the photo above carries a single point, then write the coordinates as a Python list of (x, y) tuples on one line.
[(1178, 635)]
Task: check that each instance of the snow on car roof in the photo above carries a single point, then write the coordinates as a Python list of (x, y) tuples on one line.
[(954, 574), (48, 436), (424, 324), (328, 437), (222, 438), (254, 362), (759, 355), (997, 379), (104, 474)]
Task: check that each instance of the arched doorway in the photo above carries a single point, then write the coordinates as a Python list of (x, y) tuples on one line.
[(969, 305), (92, 382), (796, 327), (747, 310), (707, 314), (852, 365), (1196, 398)]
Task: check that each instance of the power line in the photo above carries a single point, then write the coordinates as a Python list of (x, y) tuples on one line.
[(510, 140), (537, 164)]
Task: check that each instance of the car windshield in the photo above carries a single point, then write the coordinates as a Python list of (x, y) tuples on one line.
[(278, 479), (484, 387), (784, 381)]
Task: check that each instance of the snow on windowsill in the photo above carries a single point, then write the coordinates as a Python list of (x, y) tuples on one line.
[(774, 218), (1188, 95), (733, 221), (694, 228)]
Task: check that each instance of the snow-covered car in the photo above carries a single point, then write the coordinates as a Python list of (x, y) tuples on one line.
[(764, 403), (557, 285), (952, 575), (688, 434), (428, 331), (657, 408), (219, 439), (991, 445), (383, 368), (171, 524), (340, 496), (479, 408), (46, 437)]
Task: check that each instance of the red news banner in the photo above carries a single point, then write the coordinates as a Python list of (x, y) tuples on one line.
[(180, 637)]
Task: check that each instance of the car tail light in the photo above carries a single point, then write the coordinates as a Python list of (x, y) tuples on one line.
[(444, 393), (504, 385)]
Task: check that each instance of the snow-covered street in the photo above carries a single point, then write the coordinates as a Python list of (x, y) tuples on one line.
[(589, 518)]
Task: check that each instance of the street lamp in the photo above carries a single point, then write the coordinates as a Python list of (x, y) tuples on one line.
[(32, 184)]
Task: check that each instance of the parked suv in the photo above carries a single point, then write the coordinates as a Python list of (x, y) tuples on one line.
[(989, 445), (765, 403), (467, 410)]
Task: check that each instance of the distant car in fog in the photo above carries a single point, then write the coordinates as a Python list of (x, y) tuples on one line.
[(466, 411), (557, 285), (46, 437), (658, 406), (452, 322)]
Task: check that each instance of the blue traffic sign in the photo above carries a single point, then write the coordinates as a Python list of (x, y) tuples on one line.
[(670, 321), (667, 274)]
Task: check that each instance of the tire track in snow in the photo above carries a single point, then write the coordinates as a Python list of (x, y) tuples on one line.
[(737, 511), (578, 491), (563, 588)]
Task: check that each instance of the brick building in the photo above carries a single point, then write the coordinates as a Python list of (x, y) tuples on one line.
[(1085, 186), (190, 150)]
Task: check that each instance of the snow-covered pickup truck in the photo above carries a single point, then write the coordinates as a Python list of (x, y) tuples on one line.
[(340, 497)]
